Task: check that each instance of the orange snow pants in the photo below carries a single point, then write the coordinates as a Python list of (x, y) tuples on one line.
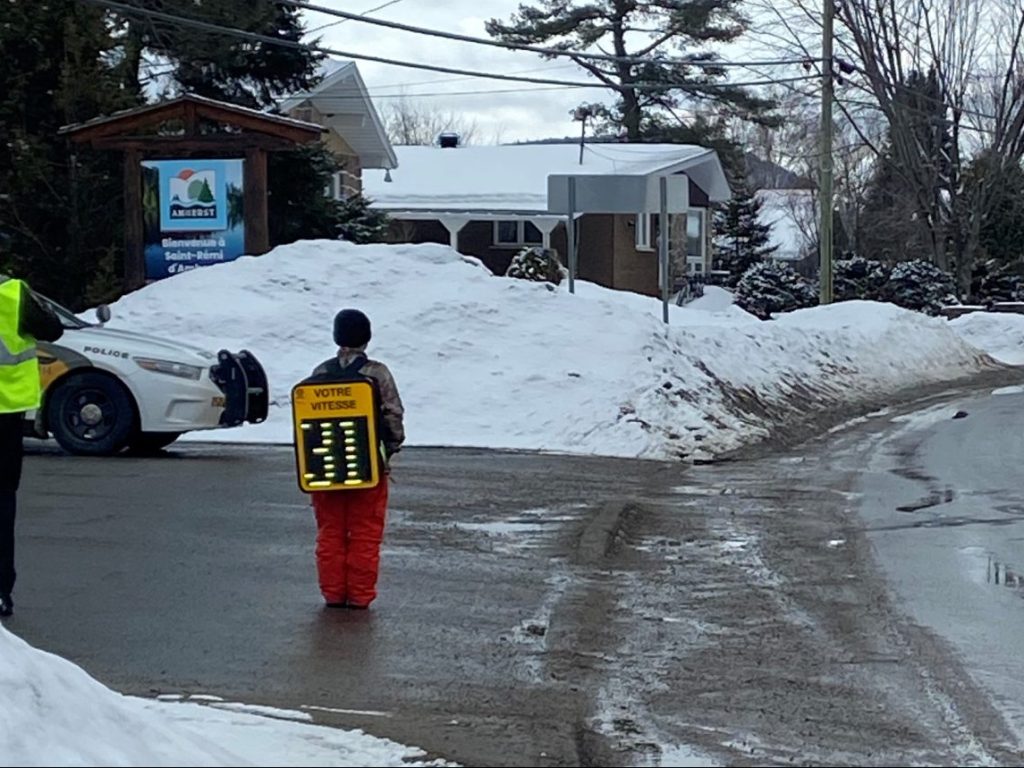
[(350, 527)]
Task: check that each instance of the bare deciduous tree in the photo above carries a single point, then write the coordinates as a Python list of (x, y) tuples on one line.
[(414, 123), (947, 79)]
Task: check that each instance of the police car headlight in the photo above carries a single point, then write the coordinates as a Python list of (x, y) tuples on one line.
[(181, 370)]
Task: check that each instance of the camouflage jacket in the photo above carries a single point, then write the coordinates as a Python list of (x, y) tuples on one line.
[(391, 409)]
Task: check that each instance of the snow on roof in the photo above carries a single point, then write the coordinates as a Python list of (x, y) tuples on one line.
[(514, 177), (790, 213)]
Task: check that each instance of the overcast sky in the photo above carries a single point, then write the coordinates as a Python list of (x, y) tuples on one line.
[(528, 112)]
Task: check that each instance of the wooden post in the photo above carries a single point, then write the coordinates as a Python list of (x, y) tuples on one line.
[(191, 119), (257, 219), (134, 255)]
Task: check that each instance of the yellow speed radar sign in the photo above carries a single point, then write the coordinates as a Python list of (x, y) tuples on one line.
[(336, 435)]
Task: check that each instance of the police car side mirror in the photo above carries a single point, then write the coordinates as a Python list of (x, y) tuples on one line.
[(103, 313)]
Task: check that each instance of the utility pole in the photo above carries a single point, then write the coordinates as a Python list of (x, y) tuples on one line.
[(825, 182), (581, 114)]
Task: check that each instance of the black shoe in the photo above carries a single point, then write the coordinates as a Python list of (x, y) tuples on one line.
[(6, 605), (342, 604)]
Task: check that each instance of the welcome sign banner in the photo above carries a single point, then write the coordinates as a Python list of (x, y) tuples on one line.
[(193, 214)]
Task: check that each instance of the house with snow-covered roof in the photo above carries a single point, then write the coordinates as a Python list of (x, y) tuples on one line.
[(491, 201), (355, 133)]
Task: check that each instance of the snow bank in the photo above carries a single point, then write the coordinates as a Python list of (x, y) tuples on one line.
[(53, 713), (715, 299), (999, 334), (488, 361)]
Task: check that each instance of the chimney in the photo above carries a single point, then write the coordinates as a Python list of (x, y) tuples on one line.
[(448, 140)]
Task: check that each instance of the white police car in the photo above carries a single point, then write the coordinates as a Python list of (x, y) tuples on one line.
[(105, 390)]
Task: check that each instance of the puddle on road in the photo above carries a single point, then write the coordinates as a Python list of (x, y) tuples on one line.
[(1016, 389), (1004, 575), (986, 568)]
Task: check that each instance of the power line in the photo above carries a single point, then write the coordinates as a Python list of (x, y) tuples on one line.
[(531, 70), (554, 52), (380, 7), (357, 95), (240, 33)]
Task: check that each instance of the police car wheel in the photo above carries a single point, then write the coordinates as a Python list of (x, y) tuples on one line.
[(152, 442), (91, 414)]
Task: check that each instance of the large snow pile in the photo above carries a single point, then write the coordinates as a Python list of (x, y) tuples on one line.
[(495, 362), (53, 713), (999, 334)]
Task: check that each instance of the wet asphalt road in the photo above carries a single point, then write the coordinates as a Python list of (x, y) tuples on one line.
[(944, 502), (194, 573), (543, 610)]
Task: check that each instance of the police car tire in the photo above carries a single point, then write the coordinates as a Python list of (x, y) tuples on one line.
[(119, 433)]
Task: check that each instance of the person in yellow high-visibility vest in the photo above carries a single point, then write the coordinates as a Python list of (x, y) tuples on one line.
[(23, 320)]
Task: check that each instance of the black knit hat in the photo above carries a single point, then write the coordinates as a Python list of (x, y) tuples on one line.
[(351, 329)]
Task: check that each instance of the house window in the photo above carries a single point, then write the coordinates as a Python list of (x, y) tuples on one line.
[(695, 234), (643, 232), (516, 233)]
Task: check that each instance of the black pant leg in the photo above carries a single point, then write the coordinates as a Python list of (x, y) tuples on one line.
[(11, 455)]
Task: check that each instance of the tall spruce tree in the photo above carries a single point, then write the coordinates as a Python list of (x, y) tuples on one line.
[(1002, 226), (671, 36), (742, 239), (907, 207), (60, 206), (229, 68)]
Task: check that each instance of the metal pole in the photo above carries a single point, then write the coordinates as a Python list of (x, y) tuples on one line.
[(826, 202), (583, 137), (570, 234), (663, 244)]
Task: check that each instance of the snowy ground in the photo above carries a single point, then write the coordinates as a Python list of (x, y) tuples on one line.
[(485, 361), (53, 713)]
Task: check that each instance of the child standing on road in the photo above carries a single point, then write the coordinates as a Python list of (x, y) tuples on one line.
[(350, 524)]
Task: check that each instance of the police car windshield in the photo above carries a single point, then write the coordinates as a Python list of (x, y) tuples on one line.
[(67, 317)]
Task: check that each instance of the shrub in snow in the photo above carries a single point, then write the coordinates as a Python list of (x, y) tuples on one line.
[(920, 285), (537, 264), (859, 278), (993, 282), (770, 287)]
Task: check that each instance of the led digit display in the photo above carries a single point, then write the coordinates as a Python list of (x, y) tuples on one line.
[(335, 436)]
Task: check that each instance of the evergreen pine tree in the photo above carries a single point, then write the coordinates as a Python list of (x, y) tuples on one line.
[(359, 223), (652, 30), (742, 239), (903, 225), (61, 215), (769, 287), (1002, 226), (245, 72)]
